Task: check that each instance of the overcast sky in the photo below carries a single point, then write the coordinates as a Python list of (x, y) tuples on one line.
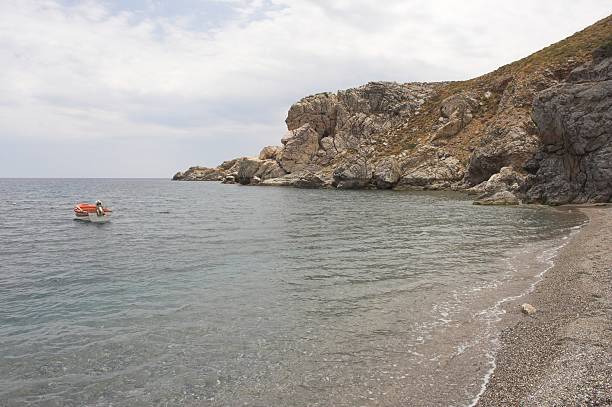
[(143, 88)]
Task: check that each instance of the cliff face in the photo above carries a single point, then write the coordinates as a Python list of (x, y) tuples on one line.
[(537, 130), (574, 119)]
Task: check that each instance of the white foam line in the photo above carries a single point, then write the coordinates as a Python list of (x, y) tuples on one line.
[(500, 311)]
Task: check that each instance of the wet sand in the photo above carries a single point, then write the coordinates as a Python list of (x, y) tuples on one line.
[(562, 355)]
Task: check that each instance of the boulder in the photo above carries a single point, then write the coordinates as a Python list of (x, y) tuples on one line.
[(528, 309), (229, 164), (505, 180), (247, 168), (498, 198), (229, 179), (351, 176), (284, 181), (458, 110), (458, 105), (300, 146), (270, 169), (449, 129), (309, 180), (386, 173), (327, 144), (269, 152)]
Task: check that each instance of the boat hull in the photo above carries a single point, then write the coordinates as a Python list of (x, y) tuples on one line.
[(93, 218), (87, 213)]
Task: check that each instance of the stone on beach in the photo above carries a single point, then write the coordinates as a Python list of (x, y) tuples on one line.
[(528, 309)]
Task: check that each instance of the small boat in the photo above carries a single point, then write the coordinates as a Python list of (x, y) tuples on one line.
[(95, 213)]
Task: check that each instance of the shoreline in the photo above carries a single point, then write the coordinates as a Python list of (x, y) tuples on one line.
[(562, 355)]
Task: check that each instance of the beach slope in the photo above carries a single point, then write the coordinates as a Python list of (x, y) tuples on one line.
[(562, 354)]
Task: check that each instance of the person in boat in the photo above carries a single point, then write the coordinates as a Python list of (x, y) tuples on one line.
[(99, 208)]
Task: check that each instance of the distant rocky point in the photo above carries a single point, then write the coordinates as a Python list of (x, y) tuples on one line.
[(538, 130)]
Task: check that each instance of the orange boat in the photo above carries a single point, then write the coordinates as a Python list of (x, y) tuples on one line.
[(92, 212)]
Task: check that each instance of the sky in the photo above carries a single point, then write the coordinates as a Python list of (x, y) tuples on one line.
[(144, 88)]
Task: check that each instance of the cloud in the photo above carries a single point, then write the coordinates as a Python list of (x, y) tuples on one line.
[(174, 72)]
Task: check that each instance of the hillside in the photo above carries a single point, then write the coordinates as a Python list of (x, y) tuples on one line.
[(536, 130)]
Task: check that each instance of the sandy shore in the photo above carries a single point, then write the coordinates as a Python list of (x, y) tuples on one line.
[(562, 355)]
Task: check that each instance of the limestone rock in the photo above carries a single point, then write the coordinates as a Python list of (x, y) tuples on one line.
[(386, 173), (345, 119), (309, 180), (483, 136), (528, 309), (459, 105), (433, 173), (458, 110), (505, 180), (318, 111), (284, 181), (200, 174), (371, 110), (449, 129), (300, 146), (269, 152), (501, 147), (327, 144), (498, 198), (351, 176), (575, 124), (229, 179), (270, 169), (229, 164), (249, 168)]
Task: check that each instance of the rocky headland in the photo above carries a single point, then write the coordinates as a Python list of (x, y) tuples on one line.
[(538, 130)]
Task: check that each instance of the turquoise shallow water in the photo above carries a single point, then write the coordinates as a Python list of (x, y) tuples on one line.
[(207, 294)]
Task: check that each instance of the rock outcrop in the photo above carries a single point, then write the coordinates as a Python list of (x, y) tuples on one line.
[(456, 113), (200, 174), (536, 130), (309, 180), (574, 120), (430, 168), (503, 188), (501, 147), (300, 147), (386, 173), (352, 176), (270, 152), (498, 198), (251, 168)]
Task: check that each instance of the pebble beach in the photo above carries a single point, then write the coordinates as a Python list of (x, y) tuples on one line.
[(562, 354)]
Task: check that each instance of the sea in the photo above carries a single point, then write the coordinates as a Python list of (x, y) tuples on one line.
[(202, 294)]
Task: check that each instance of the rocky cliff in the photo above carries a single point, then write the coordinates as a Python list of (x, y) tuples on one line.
[(536, 130)]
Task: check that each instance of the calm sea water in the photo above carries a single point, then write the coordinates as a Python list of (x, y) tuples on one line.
[(207, 294)]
